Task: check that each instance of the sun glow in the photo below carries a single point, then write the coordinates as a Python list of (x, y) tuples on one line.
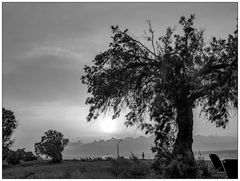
[(108, 125)]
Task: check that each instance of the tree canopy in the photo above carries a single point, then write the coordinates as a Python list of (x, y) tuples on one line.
[(162, 81), (9, 124), (52, 144)]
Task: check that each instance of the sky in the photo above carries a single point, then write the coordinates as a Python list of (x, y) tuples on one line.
[(46, 45)]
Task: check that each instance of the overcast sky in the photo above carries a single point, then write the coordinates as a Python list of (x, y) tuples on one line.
[(46, 45)]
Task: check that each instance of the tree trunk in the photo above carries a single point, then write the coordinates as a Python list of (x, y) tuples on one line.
[(183, 144)]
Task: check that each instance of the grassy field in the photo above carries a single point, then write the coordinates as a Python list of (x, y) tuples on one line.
[(68, 169), (65, 169)]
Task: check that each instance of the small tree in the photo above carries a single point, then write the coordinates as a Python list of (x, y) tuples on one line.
[(9, 124), (52, 144)]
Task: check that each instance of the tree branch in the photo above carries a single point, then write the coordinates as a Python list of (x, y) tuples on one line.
[(152, 38), (210, 69), (202, 92), (142, 46), (133, 65)]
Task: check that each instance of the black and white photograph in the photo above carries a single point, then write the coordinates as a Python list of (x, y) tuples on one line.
[(120, 90)]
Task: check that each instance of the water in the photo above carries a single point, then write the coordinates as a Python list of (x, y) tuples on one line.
[(222, 154)]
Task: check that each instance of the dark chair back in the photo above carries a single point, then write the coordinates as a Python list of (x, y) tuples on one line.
[(231, 168), (216, 162)]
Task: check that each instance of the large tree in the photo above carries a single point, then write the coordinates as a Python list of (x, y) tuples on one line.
[(160, 83)]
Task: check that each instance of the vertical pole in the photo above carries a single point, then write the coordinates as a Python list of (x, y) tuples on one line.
[(118, 147)]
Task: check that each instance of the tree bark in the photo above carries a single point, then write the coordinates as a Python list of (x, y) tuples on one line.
[(183, 144)]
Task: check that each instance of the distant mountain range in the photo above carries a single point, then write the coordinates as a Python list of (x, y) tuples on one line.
[(142, 144)]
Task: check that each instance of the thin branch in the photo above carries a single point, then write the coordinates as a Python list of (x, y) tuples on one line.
[(143, 46), (152, 33)]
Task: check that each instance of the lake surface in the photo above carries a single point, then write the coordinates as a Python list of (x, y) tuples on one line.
[(223, 154)]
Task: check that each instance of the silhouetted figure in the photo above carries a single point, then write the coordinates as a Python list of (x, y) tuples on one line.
[(143, 155)]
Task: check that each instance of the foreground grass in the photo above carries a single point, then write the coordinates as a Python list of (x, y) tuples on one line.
[(66, 169), (72, 169)]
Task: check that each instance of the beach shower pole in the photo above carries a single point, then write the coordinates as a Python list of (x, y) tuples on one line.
[(118, 147)]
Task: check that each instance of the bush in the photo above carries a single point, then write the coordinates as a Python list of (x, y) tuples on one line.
[(181, 167), (13, 158), (133, 168), (167, 166), (29, 156), (20, 153), (120, 167), (108, 158), (203, 170)]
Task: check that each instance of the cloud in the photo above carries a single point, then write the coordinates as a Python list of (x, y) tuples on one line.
[(63, 54), (46, 50)]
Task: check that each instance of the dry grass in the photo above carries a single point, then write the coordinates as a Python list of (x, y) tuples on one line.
[(73, 169), (66, 169)]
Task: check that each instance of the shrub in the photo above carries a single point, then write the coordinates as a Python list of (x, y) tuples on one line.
[(120, 167), (29, 156), (202, 167), (13, 158), (181, 167), (20, 153), (133, 168), (169, 166), (108, 158), (138, 169)]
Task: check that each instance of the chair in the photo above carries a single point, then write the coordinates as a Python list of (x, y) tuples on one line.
[(219, 167), (217, 163), (231, 167)]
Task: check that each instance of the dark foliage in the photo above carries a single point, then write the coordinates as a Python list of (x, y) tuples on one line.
[(9, 124), (168, 166), (29, 156), (176, 167), (13, 158), (52, 144), (20, 153), (109, 158), (203, 169), (92, 159), (5, 152), (133, 168)]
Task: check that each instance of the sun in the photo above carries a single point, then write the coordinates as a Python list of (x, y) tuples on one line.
[(108, 125)]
